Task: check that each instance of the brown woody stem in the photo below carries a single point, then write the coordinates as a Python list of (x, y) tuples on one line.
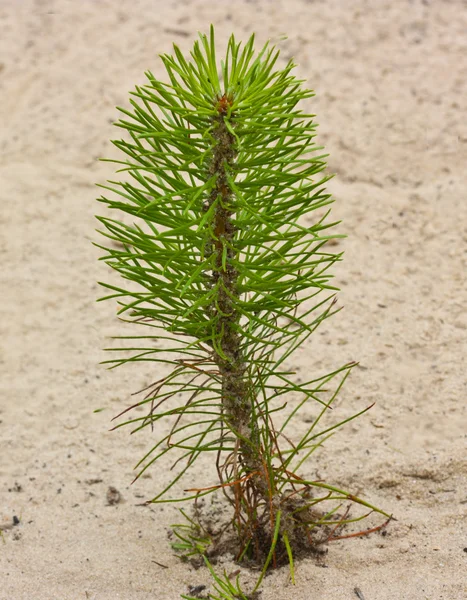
[(236, 395)]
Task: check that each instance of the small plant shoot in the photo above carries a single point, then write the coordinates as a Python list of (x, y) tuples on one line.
[(219, 228)]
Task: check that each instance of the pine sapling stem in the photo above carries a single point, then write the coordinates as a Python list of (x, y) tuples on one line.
[(236, 396)]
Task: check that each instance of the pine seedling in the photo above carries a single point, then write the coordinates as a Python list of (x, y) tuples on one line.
[(224, 250)]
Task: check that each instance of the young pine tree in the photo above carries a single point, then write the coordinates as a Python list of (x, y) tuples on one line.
[(228, 278)]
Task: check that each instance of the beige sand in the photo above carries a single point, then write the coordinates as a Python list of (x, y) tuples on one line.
[(391, 78)]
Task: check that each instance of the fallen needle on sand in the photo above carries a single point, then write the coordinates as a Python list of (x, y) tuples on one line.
[(160, 564)]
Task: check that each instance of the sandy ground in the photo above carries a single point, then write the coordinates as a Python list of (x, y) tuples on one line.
[(391, 83)]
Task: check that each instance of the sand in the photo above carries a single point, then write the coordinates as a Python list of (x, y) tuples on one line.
[(391, 83)]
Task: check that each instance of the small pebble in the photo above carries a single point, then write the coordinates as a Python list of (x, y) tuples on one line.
[(113, 496)]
